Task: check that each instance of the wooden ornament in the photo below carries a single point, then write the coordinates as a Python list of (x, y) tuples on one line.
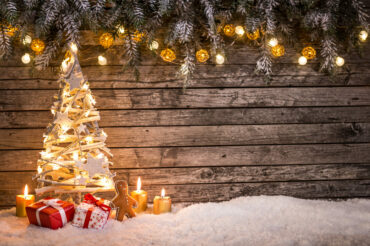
[(123, 201)]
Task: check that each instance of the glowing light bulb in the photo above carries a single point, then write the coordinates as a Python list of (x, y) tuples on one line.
[(65, 64), (138, 186), (55, 167), (26, 58), (65, 128), (163, 192), (27, 40), (88, 139), (46, 155), (220, 59), (239, 30), (102, 60), (75, 156), (74, 47), (363, 35), (53, 111), (121, 29), (339, 61), (85, 86), (62, 137), (302, 60), (39, 169), (154, 45), (273, 42)]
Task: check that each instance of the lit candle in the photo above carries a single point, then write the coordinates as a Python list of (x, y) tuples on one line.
[(141, 197), (162, 204), (23, 201)]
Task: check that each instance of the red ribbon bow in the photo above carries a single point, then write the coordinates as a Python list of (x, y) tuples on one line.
[(92, 200)]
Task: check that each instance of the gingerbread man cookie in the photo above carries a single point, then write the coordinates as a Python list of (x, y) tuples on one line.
[(123, 201)]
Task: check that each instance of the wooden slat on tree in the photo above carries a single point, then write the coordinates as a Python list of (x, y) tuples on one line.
[(196, 98), (207, 135), (221, 192), (22, 160), (199, 117)]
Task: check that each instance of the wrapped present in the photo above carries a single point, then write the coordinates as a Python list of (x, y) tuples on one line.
[(91, 213), (50, 213)]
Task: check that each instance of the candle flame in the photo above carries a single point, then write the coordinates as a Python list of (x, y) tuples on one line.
[(138, 187), (26, 191), (163, 193)]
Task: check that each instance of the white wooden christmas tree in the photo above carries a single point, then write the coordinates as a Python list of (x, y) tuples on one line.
[(74, 158)]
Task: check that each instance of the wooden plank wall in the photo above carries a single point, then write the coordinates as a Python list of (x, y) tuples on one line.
[(228, 135)]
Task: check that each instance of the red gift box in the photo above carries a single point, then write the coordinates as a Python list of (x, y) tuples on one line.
[(50, 213)]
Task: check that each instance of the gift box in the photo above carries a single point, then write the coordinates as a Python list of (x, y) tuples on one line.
[(50, 213), (91, 213)]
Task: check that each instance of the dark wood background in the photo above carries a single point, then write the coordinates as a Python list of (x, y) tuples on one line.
[(228, 135)]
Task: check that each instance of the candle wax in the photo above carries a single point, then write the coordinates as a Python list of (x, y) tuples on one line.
[(141, 197), (161, 204), (22, 202)]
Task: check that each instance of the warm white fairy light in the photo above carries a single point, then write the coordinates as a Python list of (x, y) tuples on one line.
[(104, 134), (363, 35), (74, 47), (75, 155), (220, 59), (85, 86), (63, 137), (27, 40), (273, 42), (302, 60), (121, 29), (53, 111), (46, 155), (154, 45), (89, 139), (102, 60), (65, 64), (239, 30), (39, 169), (107, 183), (87, 113), (339, 61), (55, 166), (26, 58), (65, 128)]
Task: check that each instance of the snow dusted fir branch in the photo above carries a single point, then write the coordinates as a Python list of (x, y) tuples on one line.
[(188, 25)]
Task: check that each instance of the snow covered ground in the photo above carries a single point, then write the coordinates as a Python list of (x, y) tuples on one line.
[(259, 220)]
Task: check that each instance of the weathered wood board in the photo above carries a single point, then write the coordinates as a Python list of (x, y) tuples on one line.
[(230, 134)]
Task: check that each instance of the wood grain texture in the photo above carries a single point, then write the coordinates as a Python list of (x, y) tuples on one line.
[(196, 98), (200, 117), (22, 160), (207, 135), (167, 73), (200, 175), (206, 80)]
